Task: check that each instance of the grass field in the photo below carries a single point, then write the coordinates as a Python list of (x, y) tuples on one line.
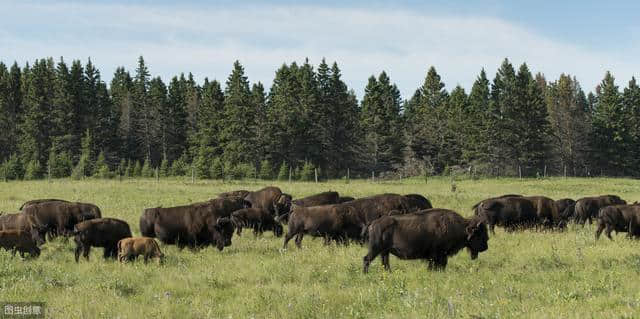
[(526, 274)]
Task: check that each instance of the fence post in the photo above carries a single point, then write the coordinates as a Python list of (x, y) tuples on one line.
[(157, 175), (565, 171), (193, 174), (545, 171), (49, 172), (373, 176), (289, 174), (316, 171), (520, 171), (347, 175)]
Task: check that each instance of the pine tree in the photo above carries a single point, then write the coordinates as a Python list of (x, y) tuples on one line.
[(283, 172), (11, 109), (121, 90), (217, 169), (102, 169), (173, 117), (236, 136), (266, 170), (144, 122), (381, 121), (631, 105), (478, 124), (611, 141), (209, 119), (570, 124)]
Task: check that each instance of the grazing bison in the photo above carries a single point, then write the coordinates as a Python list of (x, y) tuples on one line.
[(38, 201), (566, 208), (238, 193), (418, 202), (333, 222), (60, 217), (546, 211), (223, 207), (587, 208), (344, 199), (433, 234), (507, 212), (325, 198), (368, 209), (258, 219), (475, 209), (192, 225), (132, 247), (621, 218), (270, 198), (100, 232), (19, 221), (22, 241)]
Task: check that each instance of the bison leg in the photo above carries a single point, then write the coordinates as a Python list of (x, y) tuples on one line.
[(146, 258), (239, 230), (385, 261), (287, 238), (492, 228), (299, 240), (601, 227), (35, 252), (631, 229), (77, 254), (85, 252)]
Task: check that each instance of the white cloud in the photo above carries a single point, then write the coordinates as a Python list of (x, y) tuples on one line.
[(207, 39)]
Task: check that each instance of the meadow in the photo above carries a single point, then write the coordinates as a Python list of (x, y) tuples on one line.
[(525, 274)]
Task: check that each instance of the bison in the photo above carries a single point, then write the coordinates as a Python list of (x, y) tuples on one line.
[(507, 212), (192, 225), (587, 208), (100, 232), (325, 198), (256, 218), (60, 217), (621, 218), (38, 201), (132, 247), (22, 241), (434, 235), (237, 193), (547, 212), (566, 208), (333, 222), (418, 202), (370, 208), (270, 198)]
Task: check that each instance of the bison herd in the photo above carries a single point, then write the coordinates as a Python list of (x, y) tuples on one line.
[(406, 226)]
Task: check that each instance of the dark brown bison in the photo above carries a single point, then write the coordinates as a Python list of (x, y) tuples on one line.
[(22, 241), (223, 207), (258, 219), (547, 212), (587, 208), (60, 217), (474, 208), (368, 209), (621, 218), (325, 198), (434, 235), (100, 232), (19, 221), (132, 247), (344, 199), (508, 212), (38, 201), (566, 208), (238, 193), (418, 202), (333, 222), (270, 198), (192, 225)]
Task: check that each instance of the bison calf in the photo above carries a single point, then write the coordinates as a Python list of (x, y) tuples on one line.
[(433, 234), (100, 232), (130, 248), (257, 218), (22, 241)]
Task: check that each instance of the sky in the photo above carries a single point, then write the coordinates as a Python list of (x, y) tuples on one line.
[(403, 38)]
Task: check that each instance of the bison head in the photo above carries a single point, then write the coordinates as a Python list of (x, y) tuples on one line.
[(282, 204), (223, 231), (477, 237), (38, 234)]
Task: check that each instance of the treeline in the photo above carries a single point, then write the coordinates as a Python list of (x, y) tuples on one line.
[(63, 120)]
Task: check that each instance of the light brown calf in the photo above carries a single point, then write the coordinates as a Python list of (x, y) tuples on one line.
[(132, 247)]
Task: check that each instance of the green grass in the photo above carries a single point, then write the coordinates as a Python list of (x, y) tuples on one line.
[(524, 274)]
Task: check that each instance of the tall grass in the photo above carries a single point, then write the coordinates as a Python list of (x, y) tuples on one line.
[(525, 274)]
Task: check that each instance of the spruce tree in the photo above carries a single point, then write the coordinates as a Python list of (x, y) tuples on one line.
[(236, 136)]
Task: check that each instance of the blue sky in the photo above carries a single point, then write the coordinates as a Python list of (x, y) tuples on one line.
[(365, 37)]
